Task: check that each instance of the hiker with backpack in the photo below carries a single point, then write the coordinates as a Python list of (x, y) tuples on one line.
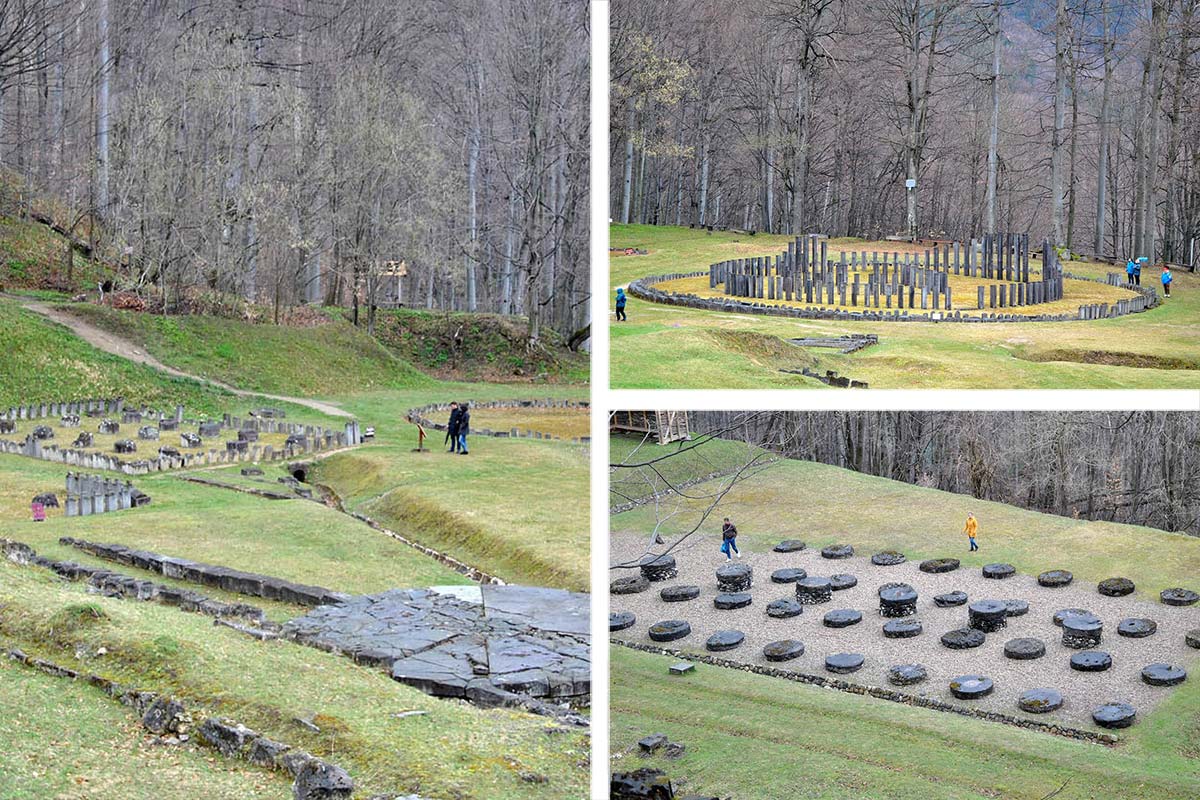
[(464, 427), (1167, 277), (452, 427), (729, 534), (621, 305)]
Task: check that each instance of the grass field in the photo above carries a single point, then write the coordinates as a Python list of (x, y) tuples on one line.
[(564, 423), (671, 347), (715, 455)]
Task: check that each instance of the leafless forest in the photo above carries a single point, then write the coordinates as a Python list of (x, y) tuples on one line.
[(297, 151), (1140, 467), (1070, 119)]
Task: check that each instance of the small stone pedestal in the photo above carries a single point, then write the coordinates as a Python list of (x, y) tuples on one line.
[(898, 601), (813, 591), (987, 615), (734, 577), (658, 568), (1081, 631)]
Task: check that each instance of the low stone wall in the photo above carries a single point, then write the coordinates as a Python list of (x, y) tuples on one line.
[(419, 416)]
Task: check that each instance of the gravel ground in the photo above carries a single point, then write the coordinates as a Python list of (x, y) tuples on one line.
[(1082, 691)]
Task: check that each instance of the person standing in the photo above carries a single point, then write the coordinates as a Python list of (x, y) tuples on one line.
[(729, 534), (464, 427), (452, 427), (970, 529), (1129, 268), (620, 305), (1137, 271), (1167, 277)]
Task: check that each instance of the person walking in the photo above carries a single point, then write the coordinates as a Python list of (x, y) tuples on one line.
[(452, 428), (464, 427), (729, 534), (621, 305), (970, 529), (1167, 277)]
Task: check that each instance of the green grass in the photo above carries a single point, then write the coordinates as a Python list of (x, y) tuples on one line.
[(455, 750), (714, 455), (33, 259), (755, 736), (671, 347)]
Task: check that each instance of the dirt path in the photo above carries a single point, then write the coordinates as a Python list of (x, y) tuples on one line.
[(119, 346)]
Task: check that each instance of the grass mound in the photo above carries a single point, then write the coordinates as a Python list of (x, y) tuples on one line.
[(33, 257)]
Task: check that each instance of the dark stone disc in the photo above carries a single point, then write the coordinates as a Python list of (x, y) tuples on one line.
[(669, 630), (630, 584), (679, 594), (907, 674), (842, 581), (1163, 675), (844, 663), (620, 620), (784, 607), (658, 568), (1024, 649), (1040, 701), (732, 600), (1115, 587), (783, 650), (999, 571), (971, 687), (902, 629), (1055, 578), (887, 586), (936, 565), (988, 608), (1137, 627), (837, 551), (1016, 608), (1179, 597), (789, 546), (734, 577), (842, 618), (1114, 715), (724, 640), (963, 638), (813, 590), (1063, 613), (899, 593), (888, 558), (788, 575), (1091, 661), (1192, 638), (948, 599)]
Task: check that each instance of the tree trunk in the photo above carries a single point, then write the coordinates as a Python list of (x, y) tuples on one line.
[(627, 199), (994, 129), (1056, 139), (1105, 137), (102, 112)]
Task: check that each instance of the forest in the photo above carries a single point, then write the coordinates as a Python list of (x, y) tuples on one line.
[(430, 153), (1138, 467), (1072, 120)]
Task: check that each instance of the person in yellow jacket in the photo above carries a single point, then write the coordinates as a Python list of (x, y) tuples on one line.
[(970, 529)]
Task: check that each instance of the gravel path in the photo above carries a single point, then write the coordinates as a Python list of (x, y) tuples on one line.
[(1082, 691)]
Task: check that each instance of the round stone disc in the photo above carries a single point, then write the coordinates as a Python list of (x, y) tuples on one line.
[(658, 568), (902, 593), (734, 571), (783, 650), (784, 607), (842, 581), (1163, 675), (837, 551), (1192, 638), (724, 640), (936, 565), (902, 629), (1114, 715), (788, 575), (963, 638), (948, 599), (1040, 701), (888, 558), (1024, 649), (844, 663), (630, 584), (907, 674), (989, 608), (620, 620), (1055, 578), (1063, 613), (1082, 623), (813, 589), (679, 594), (669, 630), (970, 687), (1115, 587), (893, 585), (1016, 608), (731, 600), (842, 618), (999, 571), (1179, 597), (1091, 661), (789, 546), (1137, 627)]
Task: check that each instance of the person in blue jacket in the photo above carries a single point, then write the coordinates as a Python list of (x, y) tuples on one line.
[(1166, 280), (1137, 270), (1130, 267), (621, 305)]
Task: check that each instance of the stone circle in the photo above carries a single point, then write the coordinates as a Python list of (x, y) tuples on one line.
[(620, 620), (784, 607), (1115, 587), (630, 584), (679, 594), (812, 591), (988, 616), (887, 558), (1163, 674), (907, 674), (1179, 597), (734, 577), (971, 687), (937, 565), (724, 640), (902, 628), (658, 568), (955, 598), (1192, 638), (1055, 578), (669, 630), (789, 546), (1114, 715), (1137, 627), (999, 571), (842, 581), (1080, 631), (1016, 608), (844, 663), (728, 601), (842, 618), (783, 650), (1040, 701), (1025, 648), (837, 551), (788, 575), (963, 638), (1091, 661), (1063, 613)]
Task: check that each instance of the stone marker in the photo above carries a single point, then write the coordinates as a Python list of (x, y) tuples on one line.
[(734, 577), (789, 546), (841, 618), (1040, 701), (681, 668), (999, 571), (988, 616), (1081, 630), (679, 594), (1163, 674), (728, 601), (724, 640), (902, 629), (783, 650), (1055, 578), (784, 608), (1063, 613), (971, 687), (1091, 661), (1114, 715), (897, 601), (669, 630), (1115, 587), (949, 599), (812, 591), (1137, 628), (844, 663), (1016, 608), (887, 558), (658, 568), (620, 620), (1024, 649), (938, 565), (1179, 597), (842, 581), (837, 551), (963, 638), (907, 674), (788, 575), (629, 584)]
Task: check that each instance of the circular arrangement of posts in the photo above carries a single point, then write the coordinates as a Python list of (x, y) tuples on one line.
[(724, 640), (620, 620), (1115, 587), (679, 594), (669, 630), (658, 568), (907, 674), (950, 599), (988, 616), (1114, 715), (731, 600), (1081, 631), (1040, 701), (813, 591), (1091, 661), (788, 575), (734, 577), (837, 551), (971, 687), (1025, 648), (789, 546), (783, 650), (898, 601), (938, 565), (784, 608)]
